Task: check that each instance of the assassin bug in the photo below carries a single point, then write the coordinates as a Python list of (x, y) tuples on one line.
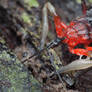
[(78, 32)]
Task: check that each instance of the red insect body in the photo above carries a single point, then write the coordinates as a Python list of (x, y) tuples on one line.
[(78, 32)]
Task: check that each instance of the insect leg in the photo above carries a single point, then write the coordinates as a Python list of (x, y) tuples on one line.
[(76, 65), (84, 7), (55, 61), (58, 23), (45, 28)]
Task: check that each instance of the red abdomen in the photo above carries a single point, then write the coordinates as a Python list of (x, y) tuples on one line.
[(78, 32)]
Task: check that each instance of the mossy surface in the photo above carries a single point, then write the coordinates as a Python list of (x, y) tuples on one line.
[(14, 76)]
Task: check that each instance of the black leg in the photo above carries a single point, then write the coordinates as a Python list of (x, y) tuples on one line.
[(55, 42), (50, 45)]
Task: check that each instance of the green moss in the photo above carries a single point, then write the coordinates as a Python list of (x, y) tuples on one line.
[(2, 40), (32, 3), (26, 18), (90, 1), (13, 74), (56, 59), (78, 1)]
